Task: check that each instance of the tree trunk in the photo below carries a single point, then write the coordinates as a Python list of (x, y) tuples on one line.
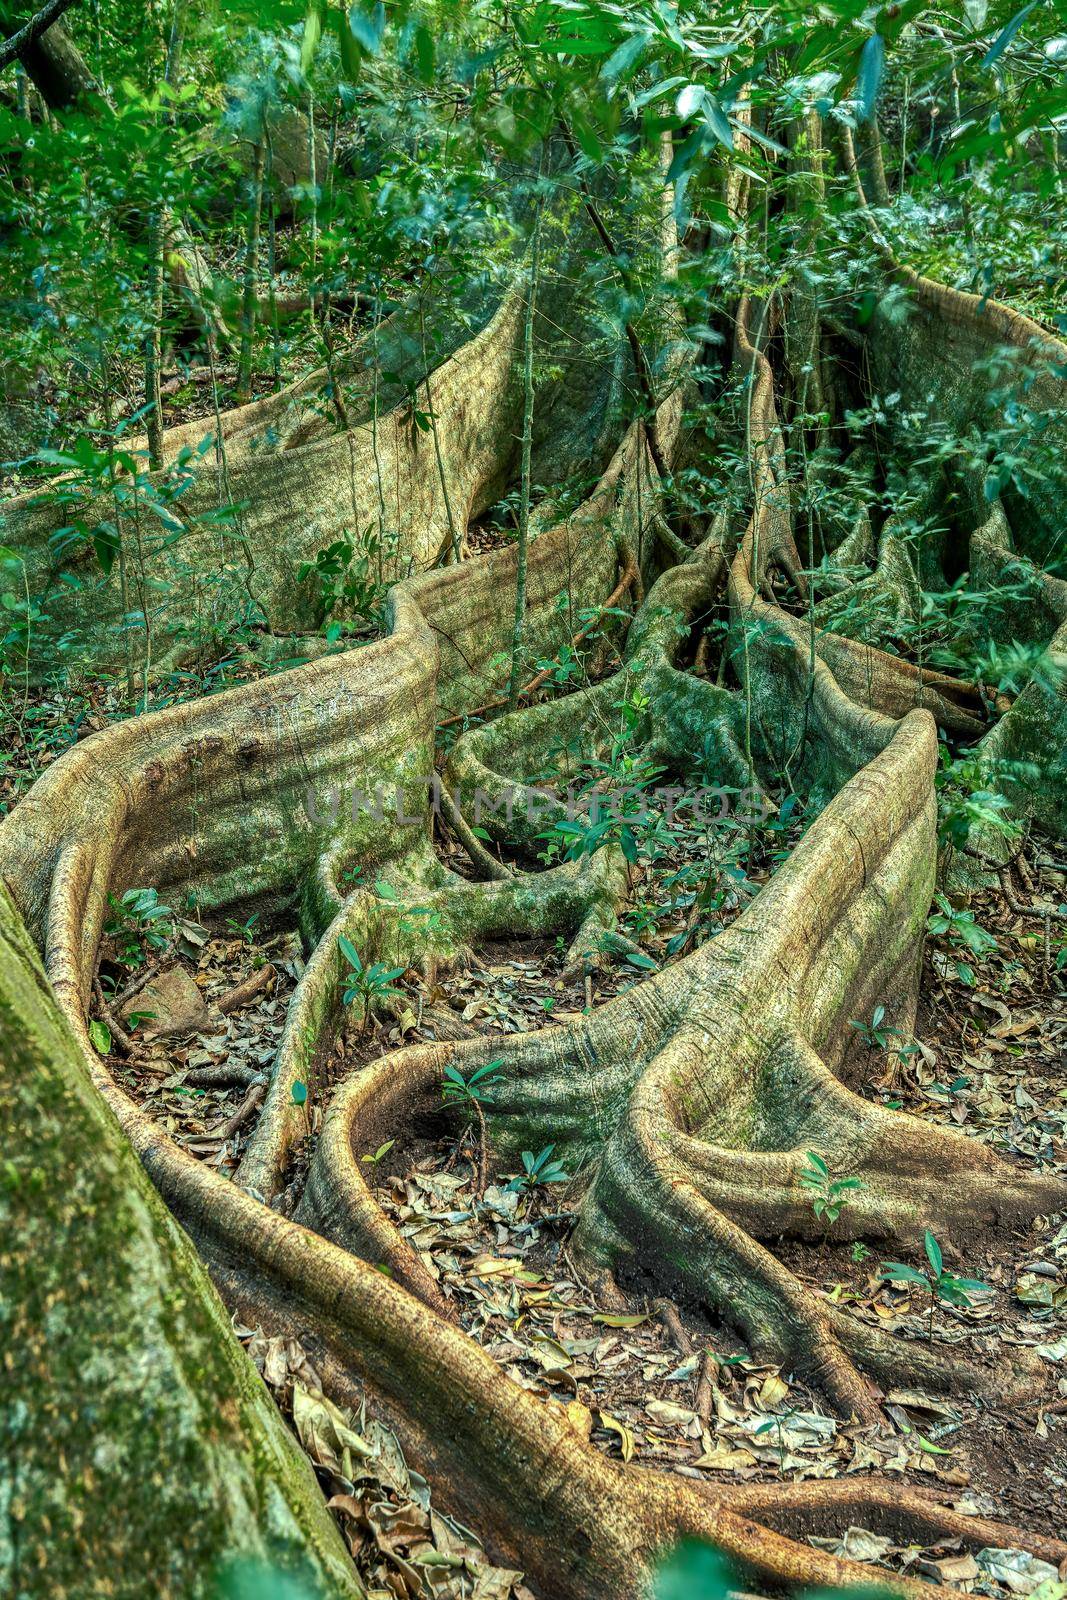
[(58, 69), (527, 445), (689, 1100), (251, 270), (138, 1442)]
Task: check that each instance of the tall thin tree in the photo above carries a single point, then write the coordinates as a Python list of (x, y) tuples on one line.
[(527, 450)]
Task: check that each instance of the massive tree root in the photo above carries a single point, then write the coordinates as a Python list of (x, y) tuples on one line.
[(962, 359), (689, 1101)]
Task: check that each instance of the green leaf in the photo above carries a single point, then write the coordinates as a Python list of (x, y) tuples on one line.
[(100, 1036), (897, 1272), (624, 57), (589, 143), (424, 52), (350, 953), (482, 1071), (106, 546), (368, 28), (716, 120), (351, 58), (1004, 38), (933, 1254), (869, 77), (309, 44), (694, 1570), (300, 1093)]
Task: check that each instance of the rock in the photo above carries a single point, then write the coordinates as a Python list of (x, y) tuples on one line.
[(175, 1003)]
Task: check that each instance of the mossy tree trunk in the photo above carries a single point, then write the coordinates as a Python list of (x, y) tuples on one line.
[(140, 1450)]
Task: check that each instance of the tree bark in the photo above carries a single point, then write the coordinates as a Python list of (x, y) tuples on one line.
[(56, 65), (136, 1438)]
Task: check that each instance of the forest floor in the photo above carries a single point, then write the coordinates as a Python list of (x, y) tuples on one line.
[(657, 1383)]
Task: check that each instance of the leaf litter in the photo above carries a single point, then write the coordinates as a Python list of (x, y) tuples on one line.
[(988, 1058)]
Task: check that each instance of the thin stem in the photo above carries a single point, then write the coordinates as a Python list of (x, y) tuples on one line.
[(527, 448), (251, 269), (453, 530)]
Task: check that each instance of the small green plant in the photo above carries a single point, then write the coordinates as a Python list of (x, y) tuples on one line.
[(961, 932), (244, 930), (367, 986), (777, 1423), (875, 1034), (139, 922), (474, 1092), (966, 803), (563, 669), (828, 1195), (538, 1171), (351, 581), (938, 1284), (860, 1252), (379, 1154)]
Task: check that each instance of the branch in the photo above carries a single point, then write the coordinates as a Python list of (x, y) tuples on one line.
[(32, 30)]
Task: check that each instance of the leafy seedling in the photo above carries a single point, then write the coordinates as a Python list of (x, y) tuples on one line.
[(962, 933), (828, 1195), (379, 1154), (367, 986), (139, 922), (246, 930), (938, 1284), (538, 1171), (474, 1092)]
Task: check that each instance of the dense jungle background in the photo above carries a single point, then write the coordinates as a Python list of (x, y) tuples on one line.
[(533, 893)]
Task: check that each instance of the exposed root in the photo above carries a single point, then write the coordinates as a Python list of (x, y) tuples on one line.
[(689, 1102)]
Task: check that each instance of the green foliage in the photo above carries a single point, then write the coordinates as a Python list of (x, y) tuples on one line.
[(367, 985), (695, 1572), (828, 1195), (698, 1571), (375, 1158), (351, 582), (539, 1170), (967, 804), (257, 1580), (958, 928), (477, 1086), (139, 922), (938, 1283), (876, 1034)]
